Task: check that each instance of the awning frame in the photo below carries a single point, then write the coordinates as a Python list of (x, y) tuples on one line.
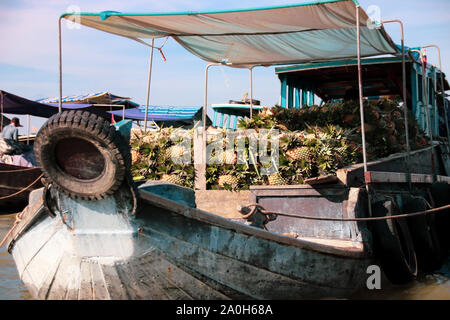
[(106, 15)]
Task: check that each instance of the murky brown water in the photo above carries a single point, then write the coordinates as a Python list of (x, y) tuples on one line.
[(434, 286), (11, 288)]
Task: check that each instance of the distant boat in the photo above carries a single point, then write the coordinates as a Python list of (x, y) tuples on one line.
[(16, 182)]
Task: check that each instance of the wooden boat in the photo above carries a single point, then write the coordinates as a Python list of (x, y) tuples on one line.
[(172, 250), (98, 237), (167, 247), (16, 182)]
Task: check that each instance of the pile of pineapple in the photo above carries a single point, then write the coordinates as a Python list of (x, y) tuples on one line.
[(313, 141), (156, 155)]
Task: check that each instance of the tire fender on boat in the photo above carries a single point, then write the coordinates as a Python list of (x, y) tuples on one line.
[(424, 234), (393, 244), (440, 192), (82, 154)]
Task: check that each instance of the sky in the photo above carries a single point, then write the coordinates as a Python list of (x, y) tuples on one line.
[(94, 61)]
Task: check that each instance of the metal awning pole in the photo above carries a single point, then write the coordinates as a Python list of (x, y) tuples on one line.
[(200, 146), (427, 114), (361, 108), (405, 98), (442, 87), (60, 65), (204, 111), (251, 92), (436, 112), (1, 105), (425, 96), (361, 105), (28, 129), (148, 84)]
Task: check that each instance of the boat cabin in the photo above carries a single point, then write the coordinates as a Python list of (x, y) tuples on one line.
[(301, 84)]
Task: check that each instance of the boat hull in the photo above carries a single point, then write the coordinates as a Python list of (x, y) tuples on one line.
[(97, 250)]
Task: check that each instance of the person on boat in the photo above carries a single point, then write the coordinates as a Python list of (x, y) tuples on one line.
[(11, 131), (9, 143)]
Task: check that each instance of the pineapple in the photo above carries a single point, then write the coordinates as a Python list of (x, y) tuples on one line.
[(276, 179), (228, 179), (229, 157), (299, 153), (173, 178), (175, 152), (135, 156)]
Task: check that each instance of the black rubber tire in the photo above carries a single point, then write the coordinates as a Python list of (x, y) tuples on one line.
[(440, 191), (393, 244), (424, 234), (88, 130)]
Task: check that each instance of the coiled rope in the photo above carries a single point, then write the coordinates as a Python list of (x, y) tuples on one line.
[(271, 213)]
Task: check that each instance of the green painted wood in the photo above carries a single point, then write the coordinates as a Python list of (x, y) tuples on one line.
[(297, 98), (290, 102), (283, 91)]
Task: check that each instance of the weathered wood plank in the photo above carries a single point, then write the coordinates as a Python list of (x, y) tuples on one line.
[(179, 278), (158, 287), (43, 291), (420, 161), (114, 285), (331, 178), (73, 284), (85, 292), (245, 278), (99, 290), (67, 273), (176, 283), (133, 284), (212, 219), (400, 177), (199, 160)]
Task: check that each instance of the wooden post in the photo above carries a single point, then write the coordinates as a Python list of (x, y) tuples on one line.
[(199, 164)]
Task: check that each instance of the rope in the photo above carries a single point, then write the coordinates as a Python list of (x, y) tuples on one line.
[(18, 170), (263, 211), (16, 222), (24, 189)]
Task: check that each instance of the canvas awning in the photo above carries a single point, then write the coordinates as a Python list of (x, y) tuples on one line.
[(13, 104), (316, 31)]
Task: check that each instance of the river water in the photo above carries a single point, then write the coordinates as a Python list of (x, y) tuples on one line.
[(434, 286)]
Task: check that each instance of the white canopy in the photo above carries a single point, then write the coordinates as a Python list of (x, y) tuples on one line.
[(317, 31)]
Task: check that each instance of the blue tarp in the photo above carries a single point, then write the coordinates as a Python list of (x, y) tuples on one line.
[(93, 98), (160, 113)]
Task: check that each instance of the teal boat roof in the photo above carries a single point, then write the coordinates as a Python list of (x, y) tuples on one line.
[(297, 33), (339, 63)]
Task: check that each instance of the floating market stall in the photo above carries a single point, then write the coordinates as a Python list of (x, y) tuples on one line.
[(111, 240)]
